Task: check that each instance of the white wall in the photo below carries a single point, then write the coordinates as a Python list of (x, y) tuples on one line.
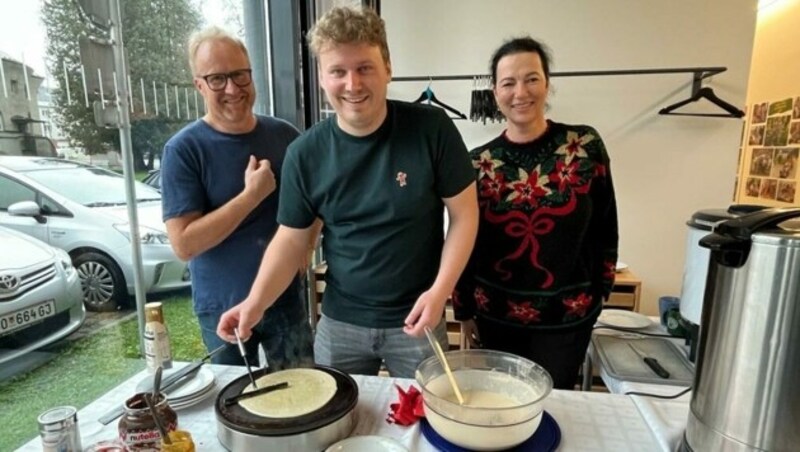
[(665, 167), (775, 71)]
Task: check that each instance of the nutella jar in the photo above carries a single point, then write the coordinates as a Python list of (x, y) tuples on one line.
[(138, 430)]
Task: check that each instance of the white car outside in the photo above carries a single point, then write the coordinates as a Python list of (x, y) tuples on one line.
[(82, 209), (40, 295)]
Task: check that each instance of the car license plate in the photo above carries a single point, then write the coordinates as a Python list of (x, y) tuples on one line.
[(19, 319)]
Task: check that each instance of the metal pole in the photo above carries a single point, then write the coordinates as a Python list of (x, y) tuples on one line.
[(3, 77), (130, 93), (127, 165), (66, 83), (85, 90), (255, 35), (144, 97), (155, 97), (25, 75)]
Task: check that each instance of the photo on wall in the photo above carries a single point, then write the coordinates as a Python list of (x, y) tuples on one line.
[(761, 162), (760, 113), (777, 133), (770, 156), (780, 107), (796, 109), (753, 187), (739, 159), (784, 165), (794, 133), (786, 191), (757, 135), (769, 189), (744, 129)]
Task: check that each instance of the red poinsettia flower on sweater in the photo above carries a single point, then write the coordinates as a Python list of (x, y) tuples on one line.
[(609, 269), (574, 146), (565, 174), (578, 305), (529, 188), (599, 170), (481, 300), (492, 187), (486, 164), (523, 312)]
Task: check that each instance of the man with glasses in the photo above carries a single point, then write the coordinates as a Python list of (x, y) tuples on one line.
[(220, 200)]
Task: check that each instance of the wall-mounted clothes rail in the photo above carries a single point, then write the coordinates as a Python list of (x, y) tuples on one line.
[(700, 73), (698, 91)]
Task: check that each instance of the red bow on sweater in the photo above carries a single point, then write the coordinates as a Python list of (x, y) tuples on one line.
[(408, 409)]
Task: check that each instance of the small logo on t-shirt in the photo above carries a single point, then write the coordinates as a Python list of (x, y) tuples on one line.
[(401, 178)]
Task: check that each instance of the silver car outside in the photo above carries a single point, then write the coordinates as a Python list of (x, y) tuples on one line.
[(82, 209), (40, 295)]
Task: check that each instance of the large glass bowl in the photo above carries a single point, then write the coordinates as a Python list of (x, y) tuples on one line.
[(503, 398)]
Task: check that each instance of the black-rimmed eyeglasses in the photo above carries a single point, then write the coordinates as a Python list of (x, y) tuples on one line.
[(218, 82)]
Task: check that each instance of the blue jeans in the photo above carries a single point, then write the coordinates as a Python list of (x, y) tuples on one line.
[(360, 350), (286, 343)]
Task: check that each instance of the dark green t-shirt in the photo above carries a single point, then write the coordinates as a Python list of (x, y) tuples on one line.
[(380, 197)]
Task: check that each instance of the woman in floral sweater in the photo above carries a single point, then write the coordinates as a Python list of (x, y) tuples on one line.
[(547, 243)]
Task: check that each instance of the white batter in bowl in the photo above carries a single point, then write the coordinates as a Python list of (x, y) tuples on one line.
[(503, 396)]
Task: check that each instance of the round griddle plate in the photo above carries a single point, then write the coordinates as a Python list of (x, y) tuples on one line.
[(239, 419)]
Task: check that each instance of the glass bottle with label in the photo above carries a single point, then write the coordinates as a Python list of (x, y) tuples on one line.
[(157, 350)]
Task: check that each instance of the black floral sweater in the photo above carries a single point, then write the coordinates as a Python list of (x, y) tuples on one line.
[(547, 241)]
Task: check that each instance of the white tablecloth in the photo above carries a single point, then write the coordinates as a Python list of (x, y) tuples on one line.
[(589, 421)]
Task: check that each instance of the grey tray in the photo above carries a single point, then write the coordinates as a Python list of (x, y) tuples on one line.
[(622, 363)]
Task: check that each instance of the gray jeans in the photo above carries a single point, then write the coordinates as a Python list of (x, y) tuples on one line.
[(360, 350)]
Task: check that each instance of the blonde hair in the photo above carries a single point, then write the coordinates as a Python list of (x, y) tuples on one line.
[(212, 33), (347, 25)]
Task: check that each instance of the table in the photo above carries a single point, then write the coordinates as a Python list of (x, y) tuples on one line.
[(589, 421), (667, 418), (627, 291)]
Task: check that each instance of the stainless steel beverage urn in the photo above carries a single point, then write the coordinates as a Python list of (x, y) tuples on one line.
[(746, 396), (695, 269)]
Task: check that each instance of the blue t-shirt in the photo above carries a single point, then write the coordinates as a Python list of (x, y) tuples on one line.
[(202, 169)]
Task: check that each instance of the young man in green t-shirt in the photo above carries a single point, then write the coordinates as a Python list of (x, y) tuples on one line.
[(378, 175)]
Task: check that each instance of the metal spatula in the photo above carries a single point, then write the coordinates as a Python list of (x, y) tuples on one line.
[(244, 357)]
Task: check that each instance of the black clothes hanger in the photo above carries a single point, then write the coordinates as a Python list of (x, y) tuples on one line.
[(708, 94), (482, 104), (430, 98)]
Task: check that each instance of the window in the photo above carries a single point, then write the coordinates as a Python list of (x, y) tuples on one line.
[(162, 99), (12, 192), (50, 207)]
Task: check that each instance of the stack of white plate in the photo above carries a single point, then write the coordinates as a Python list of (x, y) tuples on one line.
[(368, 443), (187, 393), (623, 319)]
